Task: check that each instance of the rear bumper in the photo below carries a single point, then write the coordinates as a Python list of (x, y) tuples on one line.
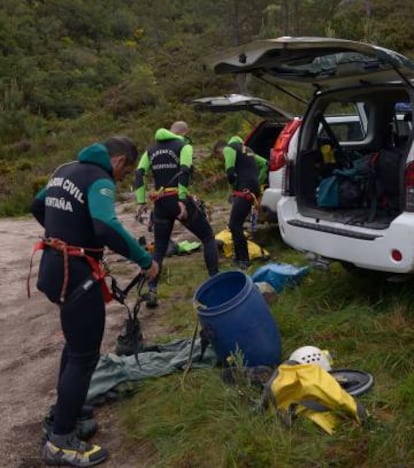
[(365, 248)]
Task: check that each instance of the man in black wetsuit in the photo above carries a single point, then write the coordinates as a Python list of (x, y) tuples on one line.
[(76, 209), (246, 172), (170, 160)]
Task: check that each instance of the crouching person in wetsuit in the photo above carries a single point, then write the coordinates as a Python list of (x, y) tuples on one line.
[(246, 171), (170, 160), (76, 209)]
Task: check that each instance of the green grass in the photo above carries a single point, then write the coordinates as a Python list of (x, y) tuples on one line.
[(365, 322)]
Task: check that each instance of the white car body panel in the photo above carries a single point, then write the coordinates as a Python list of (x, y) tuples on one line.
[(273, 194), (369, 254)]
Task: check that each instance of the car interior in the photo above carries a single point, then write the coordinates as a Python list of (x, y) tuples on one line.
[(354, 173), (263, 138)]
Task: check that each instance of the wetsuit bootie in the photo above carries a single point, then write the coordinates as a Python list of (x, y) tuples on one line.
[(69, 450)]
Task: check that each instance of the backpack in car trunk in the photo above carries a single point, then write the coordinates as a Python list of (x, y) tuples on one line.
[(388, 175), (372, 182), (347, 188)]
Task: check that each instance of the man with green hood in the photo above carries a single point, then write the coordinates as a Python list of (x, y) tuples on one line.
[(170, 160), (76, 209), (246, 172)]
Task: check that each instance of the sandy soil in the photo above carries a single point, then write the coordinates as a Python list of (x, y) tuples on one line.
[(30, 345)]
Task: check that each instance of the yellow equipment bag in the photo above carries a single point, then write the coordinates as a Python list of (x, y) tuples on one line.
[(225, 241), (310, 391)]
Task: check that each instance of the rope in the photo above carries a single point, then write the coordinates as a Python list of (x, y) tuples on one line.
[(196, 305), (190, 356)]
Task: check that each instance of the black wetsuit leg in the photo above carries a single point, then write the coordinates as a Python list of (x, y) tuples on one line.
[(239, 211), (83, 323), (198, 224), (165, 212)]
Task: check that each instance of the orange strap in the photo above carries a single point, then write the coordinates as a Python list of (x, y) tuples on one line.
[(163, 192), (72, 251)]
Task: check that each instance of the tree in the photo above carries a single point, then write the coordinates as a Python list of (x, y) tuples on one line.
[(381, 22)]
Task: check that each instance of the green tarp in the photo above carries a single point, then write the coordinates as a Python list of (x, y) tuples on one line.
[(113, 370)]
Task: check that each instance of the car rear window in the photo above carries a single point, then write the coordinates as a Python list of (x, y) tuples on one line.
[(345, 121)]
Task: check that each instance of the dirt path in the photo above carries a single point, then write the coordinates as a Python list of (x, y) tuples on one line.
[(30, 345)]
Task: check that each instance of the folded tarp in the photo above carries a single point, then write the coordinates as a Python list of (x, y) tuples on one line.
[(113, 370), (280, 275)]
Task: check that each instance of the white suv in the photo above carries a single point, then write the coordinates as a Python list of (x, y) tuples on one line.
[(330, 206), (271, 137)]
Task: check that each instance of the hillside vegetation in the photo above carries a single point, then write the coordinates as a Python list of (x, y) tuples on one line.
[(75, 71)]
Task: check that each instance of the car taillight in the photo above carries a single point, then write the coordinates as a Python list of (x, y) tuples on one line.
[(409, 187), (277, 159), (278, 154)]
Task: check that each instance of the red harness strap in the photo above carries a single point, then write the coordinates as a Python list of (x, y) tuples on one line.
[(247, 195), (98, 271), (242, 194)]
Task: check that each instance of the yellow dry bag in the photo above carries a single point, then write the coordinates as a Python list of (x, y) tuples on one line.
[(225, 241), (310, 391)]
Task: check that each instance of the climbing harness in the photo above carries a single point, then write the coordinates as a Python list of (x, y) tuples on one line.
[(132, 341), (254, 200), (98, 272), (166, 191), (163, 192), (247, 195)]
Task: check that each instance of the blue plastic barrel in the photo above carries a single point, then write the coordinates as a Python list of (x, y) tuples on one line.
[(235, 316)]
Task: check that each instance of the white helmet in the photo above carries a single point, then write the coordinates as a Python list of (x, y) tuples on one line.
[(312, 355)]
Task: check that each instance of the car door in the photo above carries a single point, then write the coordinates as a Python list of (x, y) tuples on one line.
[(314, 62), (240, 102), (261, 139)]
